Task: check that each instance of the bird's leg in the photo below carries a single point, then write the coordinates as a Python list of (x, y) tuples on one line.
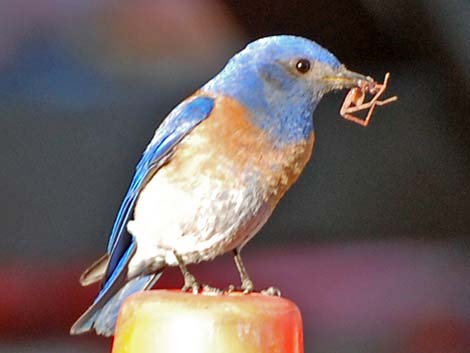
[(190, 282), (247, 283)]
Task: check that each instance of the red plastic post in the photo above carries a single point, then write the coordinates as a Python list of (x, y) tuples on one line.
[(163, 321)]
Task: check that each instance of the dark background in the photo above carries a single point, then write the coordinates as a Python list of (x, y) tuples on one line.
[(380, 214)]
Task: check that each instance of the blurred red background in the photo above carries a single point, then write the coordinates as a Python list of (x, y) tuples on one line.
[(372, 242)]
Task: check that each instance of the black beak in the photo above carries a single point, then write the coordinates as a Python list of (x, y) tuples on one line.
[(344, 78)]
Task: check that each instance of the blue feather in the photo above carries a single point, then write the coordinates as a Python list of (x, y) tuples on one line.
[(105, 320), (280, 102), (175, 127), (117, 285)]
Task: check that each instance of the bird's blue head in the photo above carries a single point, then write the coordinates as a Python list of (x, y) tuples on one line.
[(281, 79)]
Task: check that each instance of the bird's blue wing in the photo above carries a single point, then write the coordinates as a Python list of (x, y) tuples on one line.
[(117, 286), (176, 126)]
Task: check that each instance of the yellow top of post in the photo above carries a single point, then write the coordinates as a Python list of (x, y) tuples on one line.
[(164, 321)]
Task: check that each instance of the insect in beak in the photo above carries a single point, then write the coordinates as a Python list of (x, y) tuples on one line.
[(355, 99), (359, 85)]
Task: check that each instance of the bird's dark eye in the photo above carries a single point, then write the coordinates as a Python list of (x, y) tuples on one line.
[(302, 66)]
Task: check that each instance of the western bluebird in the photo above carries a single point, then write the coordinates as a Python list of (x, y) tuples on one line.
[(215, 170)]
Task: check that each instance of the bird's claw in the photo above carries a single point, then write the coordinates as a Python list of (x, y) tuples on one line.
[(190, 284), (193, 288), (271, 291), (231, 288), (247, 286), (211, 290)]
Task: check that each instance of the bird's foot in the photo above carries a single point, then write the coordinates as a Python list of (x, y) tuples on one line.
[(211, 290), (246, 287), (190, 284), (249, 288), (271, 291)]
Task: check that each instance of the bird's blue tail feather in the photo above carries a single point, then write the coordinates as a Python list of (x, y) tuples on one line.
[(102, 315), (105, 320)]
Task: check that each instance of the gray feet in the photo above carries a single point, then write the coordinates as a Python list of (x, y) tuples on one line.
[(247, 284), (271, 291), (212, 290), (190, 283), (247, 287)]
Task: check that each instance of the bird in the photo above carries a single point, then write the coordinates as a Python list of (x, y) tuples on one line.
[(215, 170)]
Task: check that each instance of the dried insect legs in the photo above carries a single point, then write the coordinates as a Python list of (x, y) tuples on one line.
[(354, 101)]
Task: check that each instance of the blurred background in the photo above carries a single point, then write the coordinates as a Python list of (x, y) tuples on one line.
[(373, 241)]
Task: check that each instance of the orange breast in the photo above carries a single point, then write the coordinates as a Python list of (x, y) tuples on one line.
[(228, 147)]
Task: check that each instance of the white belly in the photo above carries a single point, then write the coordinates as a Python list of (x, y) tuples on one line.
[(198, 222)]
